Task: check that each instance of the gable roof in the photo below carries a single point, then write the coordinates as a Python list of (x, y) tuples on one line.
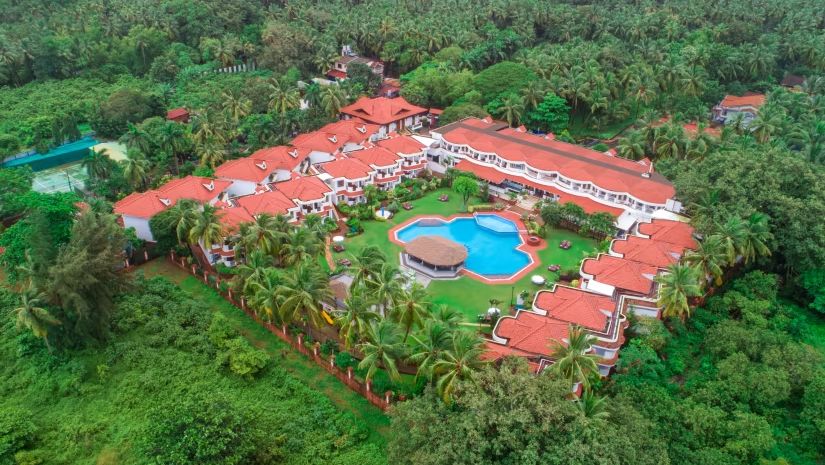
[(669, 231), (405, 145), (271, 202), (576, 306), (650, 252), (177, 113), (355, 130), (531, 333), (320, 141), (620, 273), (347, 168), (231, 218), (282, 156), (382, 110), (148, 204), (245, 169), (753, 100), (303, 188), (376, 157)]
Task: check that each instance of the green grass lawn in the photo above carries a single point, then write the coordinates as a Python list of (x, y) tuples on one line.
[(296, 364), (468, 295)]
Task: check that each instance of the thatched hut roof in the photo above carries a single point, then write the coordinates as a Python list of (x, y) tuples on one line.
[(436, 250)]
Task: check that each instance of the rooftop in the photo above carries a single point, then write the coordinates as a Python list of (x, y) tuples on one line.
[(353, 130), (405, 145), (245, 169), (620, 273), (282, 156), (577, 306), (531, 333), (303, 188), (347, 168), (148, 204), (753, 100), (672, 232), (377, 157), (436, 250), (273, 202), (650, 252), (382, 110)]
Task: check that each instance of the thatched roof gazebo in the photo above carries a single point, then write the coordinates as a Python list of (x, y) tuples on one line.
[(435, 255)]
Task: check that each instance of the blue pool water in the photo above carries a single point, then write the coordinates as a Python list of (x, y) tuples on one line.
[(490, 240)]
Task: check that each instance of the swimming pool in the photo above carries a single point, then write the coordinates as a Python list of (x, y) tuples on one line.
[(491, 242)]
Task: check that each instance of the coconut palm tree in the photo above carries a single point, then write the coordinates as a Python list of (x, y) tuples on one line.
[(459, 363), (573, 362), (411, 308), (358, 315), (367, 264), (511, 109), (732, 233), (709, 258), (207, 227), (98, 164), (33, 316), (767, 122), (300, 245), (235, 106), (383, 348), (332, 100), (592, 406), (448, 316), (136, 138), (283, 98), (679, 284), (172, 139), (305, 287), (755, 238), (135, 169), (265, 293), (427, 346), (533, 94), (262, 235), (386, 286), (211, 153), (251, 271), (632, 146)]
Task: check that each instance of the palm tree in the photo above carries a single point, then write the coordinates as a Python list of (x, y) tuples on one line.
[(211, 154), (183, 216), (235, 106), (283, 98), (511, 109), (675, 288), (411, 308), (136, 138), (303, 291), (265, 294), (448, 316), (533, 94), (382, 349), (732, 234), (592, 406), (332, 100), (428, 344), (756, 235), (367, 264), (31, 315), (300, 245), (98, 164), (251, 270), (262, 235), (171, 139), (632, 147), (135, 169), (573, 362), (670, 141), (358, 315), (767, 122), (207, 227), (386, 286), (459, 363), (709, 258)]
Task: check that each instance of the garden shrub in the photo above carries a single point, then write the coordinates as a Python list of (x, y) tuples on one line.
[(241, 358), (343, 360), (16, 432), (220, 330)]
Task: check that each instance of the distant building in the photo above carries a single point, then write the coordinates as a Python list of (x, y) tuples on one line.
[(348, 57), (390, 115), (733, 107), (180, 115)]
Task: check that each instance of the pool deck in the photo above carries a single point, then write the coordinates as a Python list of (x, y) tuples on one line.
[(530, 250)]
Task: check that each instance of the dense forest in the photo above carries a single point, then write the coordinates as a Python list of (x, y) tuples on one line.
[(136, 370)]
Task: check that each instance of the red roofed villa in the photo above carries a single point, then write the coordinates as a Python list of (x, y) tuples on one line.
[(390, 114)]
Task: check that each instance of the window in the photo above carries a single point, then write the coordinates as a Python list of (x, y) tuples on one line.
[(341, 183)]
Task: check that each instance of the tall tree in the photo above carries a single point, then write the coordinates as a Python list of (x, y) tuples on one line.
[(676, 287), (304, 290), (33, 315), (573, 362), (382, 349), (458, 364)]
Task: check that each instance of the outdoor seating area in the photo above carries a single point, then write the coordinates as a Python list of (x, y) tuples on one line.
[(444, 198), (435, 255)]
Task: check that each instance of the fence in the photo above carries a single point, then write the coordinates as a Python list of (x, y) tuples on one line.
[(347, 377)]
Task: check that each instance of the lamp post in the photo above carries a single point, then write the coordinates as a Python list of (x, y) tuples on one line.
[(512, 294)]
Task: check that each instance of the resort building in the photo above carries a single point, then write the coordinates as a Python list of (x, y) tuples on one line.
[(612, 285), (347, 177), (348, 57), (272, 164), (732, 108), (335, 138), (386, 166), (513, 160), (411, 151), (136, 209), (389, 114), (309, 194)]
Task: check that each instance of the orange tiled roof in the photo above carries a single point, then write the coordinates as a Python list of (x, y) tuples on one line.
[(320, 141), (148, 204), (377, 157), (531, 333), (650, 252), (671, 232), (354, 130), (347, 168), (231, 218), (401, 144), (382, 110), (272, 202), (620, 273), (245, 169), (303, 188), (754, 100), (281, 157), (576, 306)]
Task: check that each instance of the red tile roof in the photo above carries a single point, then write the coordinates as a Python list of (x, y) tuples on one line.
[(245, 169), (482, 172), (405, 145), (148, 204), (754, 100), (231, 218), (376, 157), (320, 141), (622, 274), (354, 130), (347, 168), (177, 114), (382, 110), (672, 232), (576, 306), (281, 157), (303, 188), (582, 164), (272, 202), (531, 333), (650, 252), (337, 74)]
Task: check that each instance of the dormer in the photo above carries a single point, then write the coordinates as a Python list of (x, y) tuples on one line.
[(210, 187), (166, 202), (361, 129), (293, 153), (333, 139), (261, 165)]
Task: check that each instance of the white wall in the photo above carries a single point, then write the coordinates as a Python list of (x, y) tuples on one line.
[(141, 226), (281, 175), (319, 157), (599, 288), (239, 188)]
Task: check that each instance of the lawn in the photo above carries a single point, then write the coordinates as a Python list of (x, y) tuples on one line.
[(296, 364), (469, 295)]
